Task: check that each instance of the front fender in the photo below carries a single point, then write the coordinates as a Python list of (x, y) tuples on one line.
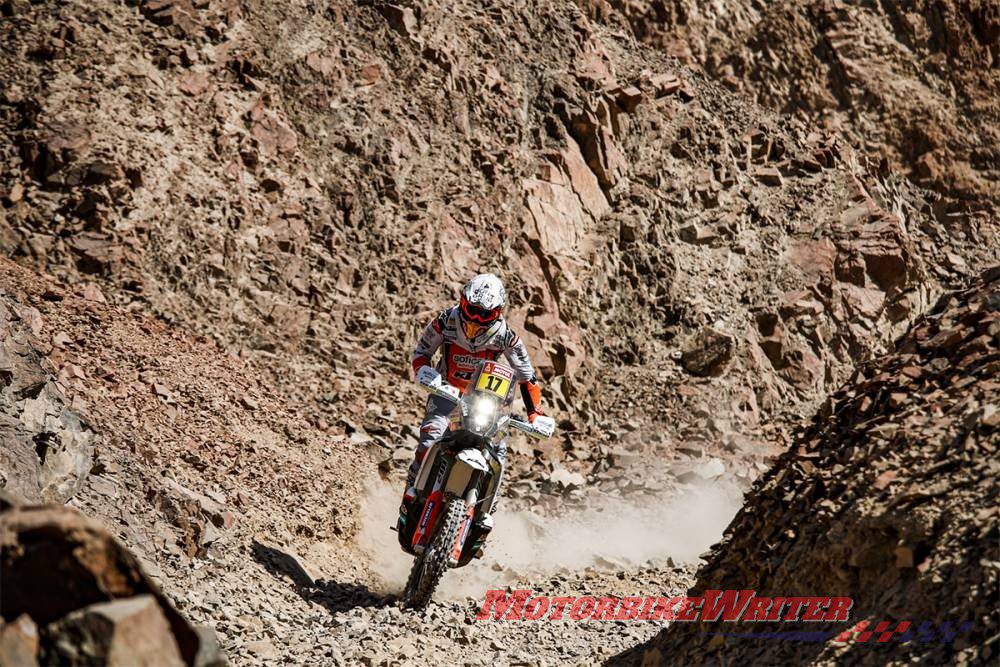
[(469, 463)]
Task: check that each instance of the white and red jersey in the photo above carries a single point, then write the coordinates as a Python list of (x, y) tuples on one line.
[(459, 355)]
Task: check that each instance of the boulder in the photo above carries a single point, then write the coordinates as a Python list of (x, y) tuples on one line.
[(54, 561), (121, 633), (47, 449), (19, 643), (707, 353)]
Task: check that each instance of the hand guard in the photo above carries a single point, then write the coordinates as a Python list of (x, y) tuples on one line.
[(428, 377), (544, 425)]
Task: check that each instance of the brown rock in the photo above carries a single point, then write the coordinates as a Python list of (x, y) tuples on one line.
[(862, 301), (592, 67), (131, 632), (402, 19), (15, 194), (696, 234), (583, 180), (885, 479), (274, 136), (556, 214), (193, 83), (19, 643), (888, 445), (884, 258), (370, 74), (802, 368), (628, 98), (47, 451), (850, 268), (100, 172), (947, 339), (54, 561), (212, 510), (686, 92), (91, 292), (814, 258), (772, 338), (707, 353), (59, 144), (769, 176), (665, 84), (800, 302)]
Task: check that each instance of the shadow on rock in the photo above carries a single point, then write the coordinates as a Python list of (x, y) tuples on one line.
[(335, 596)]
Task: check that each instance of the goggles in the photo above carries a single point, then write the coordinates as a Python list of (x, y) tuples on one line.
[(478, 314)]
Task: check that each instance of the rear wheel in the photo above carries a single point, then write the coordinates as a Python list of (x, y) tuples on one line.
[(428, 569)]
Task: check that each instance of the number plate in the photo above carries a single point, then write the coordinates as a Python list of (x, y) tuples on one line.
[(495, 379)]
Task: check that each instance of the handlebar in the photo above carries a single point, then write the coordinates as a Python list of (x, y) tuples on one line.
[(526, 427), (444, 390), (452, 393)]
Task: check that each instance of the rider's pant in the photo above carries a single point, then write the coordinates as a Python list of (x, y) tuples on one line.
[(435, 423)]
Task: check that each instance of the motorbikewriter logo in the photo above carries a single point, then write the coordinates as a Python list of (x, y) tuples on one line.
[(733, 605)]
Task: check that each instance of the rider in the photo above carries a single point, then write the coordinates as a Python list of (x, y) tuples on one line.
[(473, 330)]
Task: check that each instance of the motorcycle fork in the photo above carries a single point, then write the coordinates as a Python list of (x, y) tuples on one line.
[(493, 488), (463, 533), (435, 499)]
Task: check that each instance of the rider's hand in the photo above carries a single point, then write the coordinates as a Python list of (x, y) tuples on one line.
[(544, 425), (428, 377)]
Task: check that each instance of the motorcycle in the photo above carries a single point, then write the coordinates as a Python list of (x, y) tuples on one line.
[(460, 477)]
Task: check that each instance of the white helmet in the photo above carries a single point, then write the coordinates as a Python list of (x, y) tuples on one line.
[(481, 306)]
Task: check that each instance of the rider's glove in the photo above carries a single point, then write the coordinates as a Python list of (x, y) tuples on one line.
[(544, 425), (428, 377)]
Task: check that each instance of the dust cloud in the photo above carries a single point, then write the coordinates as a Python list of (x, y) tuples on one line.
[(619, 533)]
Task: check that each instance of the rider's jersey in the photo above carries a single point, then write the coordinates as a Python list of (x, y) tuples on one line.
[(459, 356)]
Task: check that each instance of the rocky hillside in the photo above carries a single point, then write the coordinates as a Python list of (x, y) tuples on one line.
[(889, 497), (306, 186), (914, 82)]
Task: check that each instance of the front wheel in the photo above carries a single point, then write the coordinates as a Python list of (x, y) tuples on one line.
[(429, 567)]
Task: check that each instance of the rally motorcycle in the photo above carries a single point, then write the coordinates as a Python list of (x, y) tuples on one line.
[(460, 477)]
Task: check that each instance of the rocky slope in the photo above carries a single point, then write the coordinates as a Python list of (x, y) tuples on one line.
[(889, 497), (307, 186), (228, 221), (914, 82)]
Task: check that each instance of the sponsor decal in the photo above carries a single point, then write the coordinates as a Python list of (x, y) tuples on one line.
[(468, 361), (439, 480), (427, 514)]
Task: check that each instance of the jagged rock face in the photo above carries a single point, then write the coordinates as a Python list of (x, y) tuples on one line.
[(889, 497), (47, 450), (297, 183), (916, 82), (71, 594)]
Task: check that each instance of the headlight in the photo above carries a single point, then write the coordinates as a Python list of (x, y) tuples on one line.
[(482, 412)]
